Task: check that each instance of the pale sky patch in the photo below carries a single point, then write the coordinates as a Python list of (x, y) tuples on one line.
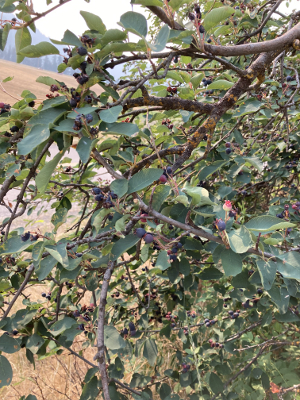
[(67, 16)]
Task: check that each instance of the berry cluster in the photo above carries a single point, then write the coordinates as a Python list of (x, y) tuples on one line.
[(185, 368), (166, 174), (209, 323), (87, 41), (171, 317), (285, 213), (215, 344), (106, 198), (172, 90), (80, 120), (127, 120), (234, 315), (84, 315), (173, 252), (75, 98), (47, 296), (206, 82), (167, 122), (228, 147), (4, 108)]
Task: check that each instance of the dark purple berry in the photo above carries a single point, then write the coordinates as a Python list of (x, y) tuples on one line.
[(221, 225), (140, 232), (96, 190), (148, 238), (89, 118), (82, 51)]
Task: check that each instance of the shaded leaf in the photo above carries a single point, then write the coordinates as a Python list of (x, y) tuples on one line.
[(143, 179)]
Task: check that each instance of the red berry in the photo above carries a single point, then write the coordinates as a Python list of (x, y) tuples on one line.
[(163, 179), (2, 105)]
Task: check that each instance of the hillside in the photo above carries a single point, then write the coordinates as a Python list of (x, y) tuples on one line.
[(25, 78)]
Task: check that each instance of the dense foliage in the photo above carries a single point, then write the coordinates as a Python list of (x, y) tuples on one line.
[(181, 266)]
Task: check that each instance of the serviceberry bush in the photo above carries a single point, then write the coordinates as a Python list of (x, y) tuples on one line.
[(181, 270)]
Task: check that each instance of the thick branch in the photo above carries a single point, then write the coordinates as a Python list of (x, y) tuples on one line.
[(256, 48), (170, 103), (100, 356)]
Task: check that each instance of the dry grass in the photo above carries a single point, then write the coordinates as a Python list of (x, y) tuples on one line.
[(25, 79)]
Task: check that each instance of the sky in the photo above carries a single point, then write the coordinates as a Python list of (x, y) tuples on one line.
[(67, 16)]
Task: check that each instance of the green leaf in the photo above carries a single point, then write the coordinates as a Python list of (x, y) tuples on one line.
[(163, 261), (220, 84), (267, 223), (47, 80), (37, 135), (31, 397), (196, 79), (267, 271), (62, 325), (164, 391), (4, 35), (134, 22), (59, 252), (69, 38), (90, 390), (6, 372), (44, 176), (59, 218), (250, 106), (112, 35), (37, 251), (14, 245), (116, 48), (240, 240), (45, 267), (175, 76), (255, 162), (160, 195), (8, 79), (94, 22), (119, 187), (34, 343), (232, 262), (84, 148), (38, 50), (215, 16), (215, 383), (199, 195), (209, 170), (8, 345), (120, 128), (143, 179), (110, 115), (289, 265), (210, 274), (150, 351), (112, 339), (175, 4), (161, 39), (122, 245), (22, 39)]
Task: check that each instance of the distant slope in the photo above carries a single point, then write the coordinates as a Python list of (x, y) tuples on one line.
[(25, 79)]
